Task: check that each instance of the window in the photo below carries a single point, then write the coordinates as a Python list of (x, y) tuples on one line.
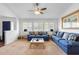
[(38, 26), (46, 26), (27, 26), (51, 26), (35, 26)]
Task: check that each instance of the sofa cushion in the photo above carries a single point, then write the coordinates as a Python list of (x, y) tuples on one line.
[(65, 43), (75, 43), (54, 33), (72, 37), (31, 35), (56, 38), (77, 38), (65, 36), (58, 33), (61, 34)]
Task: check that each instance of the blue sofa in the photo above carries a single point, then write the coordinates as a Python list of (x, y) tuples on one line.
[(70, 47), (45, 37)]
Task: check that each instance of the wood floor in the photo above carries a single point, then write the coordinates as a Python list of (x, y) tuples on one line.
[(21, 47), (1, 44)]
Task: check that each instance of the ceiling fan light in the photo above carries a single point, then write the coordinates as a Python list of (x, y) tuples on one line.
[(37, 12)]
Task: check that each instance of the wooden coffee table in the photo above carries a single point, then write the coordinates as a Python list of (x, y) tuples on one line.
[(37, 43)]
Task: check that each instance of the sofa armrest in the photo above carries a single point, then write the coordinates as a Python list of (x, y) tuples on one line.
[(73, 48)]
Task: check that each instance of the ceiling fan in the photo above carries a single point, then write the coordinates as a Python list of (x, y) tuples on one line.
[(37, 10)]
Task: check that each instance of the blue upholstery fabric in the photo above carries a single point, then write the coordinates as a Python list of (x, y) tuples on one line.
[(68, 46), (56, 38), (75, 43), (46, 37), (61, 34), (65, 43), (57, 33)]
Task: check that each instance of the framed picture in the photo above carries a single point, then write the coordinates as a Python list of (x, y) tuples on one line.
[(71, 21)]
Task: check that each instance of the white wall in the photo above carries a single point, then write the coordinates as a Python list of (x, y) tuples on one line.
[(3, 18), (38, 20), (73, 8), (7, 15), (4, 11), (10, 36)]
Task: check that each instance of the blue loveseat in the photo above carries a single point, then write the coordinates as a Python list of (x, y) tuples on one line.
[(45, 37), (68, 46)]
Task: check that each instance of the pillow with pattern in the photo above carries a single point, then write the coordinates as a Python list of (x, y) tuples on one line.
[(72, 37)]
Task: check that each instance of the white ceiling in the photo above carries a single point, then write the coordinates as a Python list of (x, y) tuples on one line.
[(54, 10)]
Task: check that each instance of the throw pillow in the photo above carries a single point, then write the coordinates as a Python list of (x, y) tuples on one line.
[(61, 34), (77, 38), (72, 37), (57, 33), (54, 33), (65, 36)]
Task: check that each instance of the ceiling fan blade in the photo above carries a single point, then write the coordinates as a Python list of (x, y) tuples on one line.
[(43, 8), (41, 12)]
